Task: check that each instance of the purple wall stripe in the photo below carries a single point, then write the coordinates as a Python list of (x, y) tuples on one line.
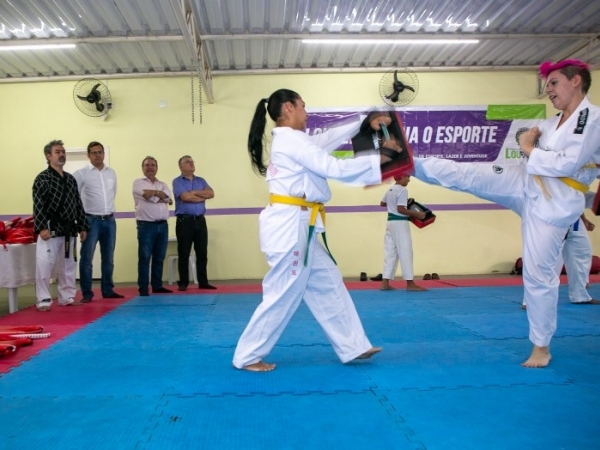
[(330, 209)]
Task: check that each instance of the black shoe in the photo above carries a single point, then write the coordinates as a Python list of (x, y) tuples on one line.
[(206, 286), (435, 276), (113, 295), (162, 290), (363, 276), (144, 294), (181, 287), (427, 276), (86, 299), (378, 277)]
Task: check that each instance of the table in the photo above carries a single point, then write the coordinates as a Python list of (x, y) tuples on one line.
[(17, 268)]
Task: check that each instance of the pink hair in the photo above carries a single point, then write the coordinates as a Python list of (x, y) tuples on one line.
[(548, 66)]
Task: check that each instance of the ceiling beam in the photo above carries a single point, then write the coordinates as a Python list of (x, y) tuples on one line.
[(588, 37), (191, 35), (317, 70), (394, 36), (572, 51), (101, 76), (90, 40)]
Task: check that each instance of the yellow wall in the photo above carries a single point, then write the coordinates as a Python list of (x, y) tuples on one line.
[(31, 114)]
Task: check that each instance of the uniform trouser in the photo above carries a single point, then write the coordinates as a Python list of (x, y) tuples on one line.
[(542, 242), (577, 255), (49, 254), (320, 285), (397, 246)]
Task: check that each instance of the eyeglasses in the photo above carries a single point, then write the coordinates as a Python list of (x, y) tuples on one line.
[(97, 153)]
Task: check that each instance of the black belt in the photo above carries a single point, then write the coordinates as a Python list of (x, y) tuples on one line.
[(152, 221), (190, 216), (109, 216)]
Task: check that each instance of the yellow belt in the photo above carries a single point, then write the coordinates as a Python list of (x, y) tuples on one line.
[(315, 208), (584, 188)]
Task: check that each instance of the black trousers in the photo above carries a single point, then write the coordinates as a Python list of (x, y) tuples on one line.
[(191, 230)]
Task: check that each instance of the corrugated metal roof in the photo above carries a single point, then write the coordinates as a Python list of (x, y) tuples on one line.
[(220, 37)]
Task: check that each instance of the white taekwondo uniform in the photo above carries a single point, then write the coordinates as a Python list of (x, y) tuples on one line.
[(299, 167), (577, 255), (577, 259), (547, 209), (397, 243)]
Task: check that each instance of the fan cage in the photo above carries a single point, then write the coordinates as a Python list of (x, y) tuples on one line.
[(83, 88), (408, 79)]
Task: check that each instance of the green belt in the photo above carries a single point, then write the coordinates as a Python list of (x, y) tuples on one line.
[(396, 217)]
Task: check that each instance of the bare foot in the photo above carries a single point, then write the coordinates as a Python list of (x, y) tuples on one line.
[(369, 353), (259, 367), (523, 306), (540, 357), (388, 288), (411, 286), (589, 302)]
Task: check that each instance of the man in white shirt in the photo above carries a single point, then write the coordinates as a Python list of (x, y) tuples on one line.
[(152, 198), (97, 185)]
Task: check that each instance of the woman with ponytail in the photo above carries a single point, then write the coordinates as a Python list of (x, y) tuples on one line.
[(301, 267)]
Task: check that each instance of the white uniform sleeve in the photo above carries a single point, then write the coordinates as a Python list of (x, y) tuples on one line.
[(402, 197), (364, 170), (331, 139)]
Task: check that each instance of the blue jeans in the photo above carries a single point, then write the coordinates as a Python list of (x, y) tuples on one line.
[(105, 232), (153, 238)]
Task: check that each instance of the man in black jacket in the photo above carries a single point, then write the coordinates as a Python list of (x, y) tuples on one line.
[(59, 217)]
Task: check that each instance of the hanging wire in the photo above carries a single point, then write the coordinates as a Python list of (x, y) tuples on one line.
[(200, 100), (192, 89)]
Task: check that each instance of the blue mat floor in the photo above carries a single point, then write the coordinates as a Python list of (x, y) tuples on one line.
[(156, 373)]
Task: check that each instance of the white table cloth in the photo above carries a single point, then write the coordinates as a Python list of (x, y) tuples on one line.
[(17, 268)]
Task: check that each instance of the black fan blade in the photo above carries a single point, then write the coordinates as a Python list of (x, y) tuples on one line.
[(83, 98), (94, 96), (393, 96), (410, 88), (98, 95)]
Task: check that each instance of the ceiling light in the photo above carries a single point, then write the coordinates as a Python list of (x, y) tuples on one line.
[(368, 41), (7, 48)]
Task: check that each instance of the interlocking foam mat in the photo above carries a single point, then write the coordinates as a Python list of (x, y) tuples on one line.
[(156, 373)]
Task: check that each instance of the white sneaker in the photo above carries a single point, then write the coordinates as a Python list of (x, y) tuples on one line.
[(66, 302), (44, 305)]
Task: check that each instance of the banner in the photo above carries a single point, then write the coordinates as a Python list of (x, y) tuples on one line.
[(473, 133)]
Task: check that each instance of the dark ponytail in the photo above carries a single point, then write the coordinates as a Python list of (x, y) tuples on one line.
[(259, 122)]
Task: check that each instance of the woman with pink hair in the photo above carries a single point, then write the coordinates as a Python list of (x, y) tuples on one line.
[(547, 193)]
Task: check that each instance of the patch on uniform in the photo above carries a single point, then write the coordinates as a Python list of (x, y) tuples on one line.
[(583, 117), (498, 169)]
